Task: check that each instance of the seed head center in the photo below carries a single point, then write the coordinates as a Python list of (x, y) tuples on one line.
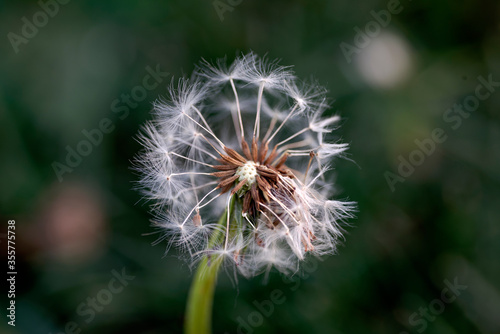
[(247, 172)]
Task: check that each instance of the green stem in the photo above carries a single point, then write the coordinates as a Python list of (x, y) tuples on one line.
[(201, 294)]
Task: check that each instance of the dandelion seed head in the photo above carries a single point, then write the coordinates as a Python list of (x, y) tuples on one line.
[(237, 163)]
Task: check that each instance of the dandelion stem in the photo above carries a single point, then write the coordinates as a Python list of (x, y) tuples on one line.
[(199, 308), (201, 294)]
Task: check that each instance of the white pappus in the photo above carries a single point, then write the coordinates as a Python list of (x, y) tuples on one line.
[(236, 163)]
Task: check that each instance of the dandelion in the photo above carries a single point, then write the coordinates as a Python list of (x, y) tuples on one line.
[(237, 162)]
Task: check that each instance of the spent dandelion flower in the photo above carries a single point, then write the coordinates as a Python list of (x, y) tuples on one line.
[(236, 163)]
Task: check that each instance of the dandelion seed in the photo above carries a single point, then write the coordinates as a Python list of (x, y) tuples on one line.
[(248, 143)]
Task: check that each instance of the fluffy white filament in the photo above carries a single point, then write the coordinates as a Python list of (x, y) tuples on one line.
[(221, 105)]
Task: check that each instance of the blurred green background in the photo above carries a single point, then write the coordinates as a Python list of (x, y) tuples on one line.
[(84, 63)]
